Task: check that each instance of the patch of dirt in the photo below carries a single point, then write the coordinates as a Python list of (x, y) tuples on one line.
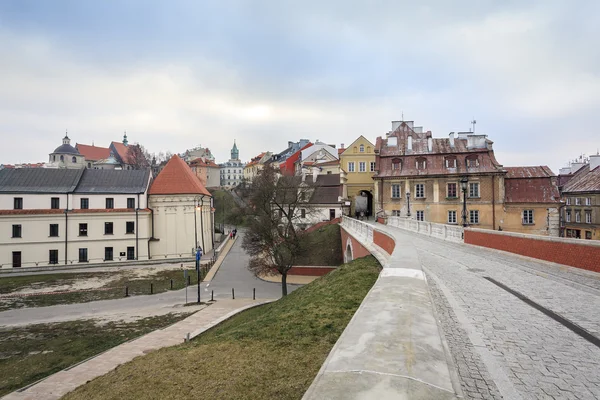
[(80, 284), (133, 316)]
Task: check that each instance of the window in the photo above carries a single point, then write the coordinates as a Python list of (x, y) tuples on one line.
[(89, 165), (110, 202), (82, 229), (473, 189), (131, 202), (354, 149), (421, 163), (108, 228), (474, 216), (55, 203), (302, 213), (420, 215), (588, 217), (395, 191), (568, 201), (130, 227), (396, 164), (53, 257), (395, 213), (74, 159), (372, 167), (452, 217), (568, 216), (84, 204), (588, 201), (83, 255), (420, 191), (472, 162), (53, 230), (18, 203), (577, 201), (361, 149), (62, 158), (16, 231), (527, 217), (108, 254), (588, 235), (362, 166), (351, 166), (451, 190), (577, 216), (450, 162), (131, 253)]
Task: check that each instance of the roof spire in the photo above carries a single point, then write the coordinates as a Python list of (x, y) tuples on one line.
[(125, 141)]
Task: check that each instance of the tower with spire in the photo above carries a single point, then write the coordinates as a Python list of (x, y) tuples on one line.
[(232, 172), (235, 154)]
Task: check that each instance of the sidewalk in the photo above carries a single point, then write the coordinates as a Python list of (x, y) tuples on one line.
[(57, 385)]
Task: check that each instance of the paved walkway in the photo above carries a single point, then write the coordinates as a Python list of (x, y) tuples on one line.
[(59, 384)]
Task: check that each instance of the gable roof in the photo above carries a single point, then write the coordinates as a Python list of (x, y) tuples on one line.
[(93, 153), (39, 180), (530, 185), (584, 180), (121, 151), (113, 181), (541, 171), (177, 178), (340, 151)]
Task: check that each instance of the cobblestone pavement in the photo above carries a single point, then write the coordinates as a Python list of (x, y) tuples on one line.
[(502, 346)]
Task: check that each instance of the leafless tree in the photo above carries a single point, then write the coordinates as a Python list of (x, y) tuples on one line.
[(136, 157), (277, 207)]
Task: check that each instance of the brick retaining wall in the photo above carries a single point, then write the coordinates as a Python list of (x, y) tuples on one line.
[(358, 250), (384, 241), (572, 252)]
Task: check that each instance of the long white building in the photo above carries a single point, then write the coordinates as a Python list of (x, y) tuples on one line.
[(69, 216)]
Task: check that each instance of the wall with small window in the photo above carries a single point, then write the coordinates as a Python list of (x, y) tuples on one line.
[(33, 201)]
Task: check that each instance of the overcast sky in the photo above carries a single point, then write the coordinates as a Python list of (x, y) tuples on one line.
[(176, 74)]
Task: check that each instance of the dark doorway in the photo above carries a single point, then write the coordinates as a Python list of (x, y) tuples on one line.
[(331, 213), (16, 259), (348, 253), (131, 253), (363, 203)]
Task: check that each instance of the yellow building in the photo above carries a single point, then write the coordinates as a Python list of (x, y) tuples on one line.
[(358, 163)]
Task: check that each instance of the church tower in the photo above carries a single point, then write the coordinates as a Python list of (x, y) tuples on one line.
[(235, 154)]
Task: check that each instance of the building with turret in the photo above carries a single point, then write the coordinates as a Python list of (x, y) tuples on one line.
[(66, 156), (232, 171)]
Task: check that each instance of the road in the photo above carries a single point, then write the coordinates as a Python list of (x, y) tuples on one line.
[(232, 274)]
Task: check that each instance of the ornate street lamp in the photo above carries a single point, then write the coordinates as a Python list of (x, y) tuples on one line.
[(408, 204), (464, 182)]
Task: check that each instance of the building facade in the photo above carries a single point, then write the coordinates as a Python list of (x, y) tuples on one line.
[(358, 163), (66, 156), (232, 171), (207, 171), (256, 164)]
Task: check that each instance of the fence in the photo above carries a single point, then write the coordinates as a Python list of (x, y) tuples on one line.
[(451, 233), (360, 230)]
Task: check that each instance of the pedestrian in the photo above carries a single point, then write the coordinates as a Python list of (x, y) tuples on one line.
[(234, 232)]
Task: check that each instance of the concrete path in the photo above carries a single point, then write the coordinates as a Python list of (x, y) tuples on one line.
[(59, 384)]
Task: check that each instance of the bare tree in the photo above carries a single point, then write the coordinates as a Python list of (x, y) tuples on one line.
[(136, 157), (277, 208)]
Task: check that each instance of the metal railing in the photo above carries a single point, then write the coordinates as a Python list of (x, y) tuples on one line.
[(451, 233)]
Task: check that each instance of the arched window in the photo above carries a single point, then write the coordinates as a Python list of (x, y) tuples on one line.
[(89, 165), (396, 164), (421, 163), (472, 162), (362, 148), (62, 158), (368, 149), (355, 150), (74, 159)]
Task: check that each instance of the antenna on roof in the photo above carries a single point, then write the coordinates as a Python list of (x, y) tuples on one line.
[(473, 122), (402, 115)]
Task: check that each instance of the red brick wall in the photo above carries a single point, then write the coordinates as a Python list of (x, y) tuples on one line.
[(381, 220), (358, 250), (322, 223), (310, 271), (558, 251), (384, 241)]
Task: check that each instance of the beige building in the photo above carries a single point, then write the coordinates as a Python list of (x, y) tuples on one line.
[(358, 162)]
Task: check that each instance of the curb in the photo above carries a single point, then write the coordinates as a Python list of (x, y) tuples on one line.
[(215, 268)]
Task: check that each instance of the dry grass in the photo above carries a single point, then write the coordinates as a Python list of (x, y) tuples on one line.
[(270, 352)]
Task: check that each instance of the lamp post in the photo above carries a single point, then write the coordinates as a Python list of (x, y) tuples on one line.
[(198, 248), (408, 204), (463, 185)]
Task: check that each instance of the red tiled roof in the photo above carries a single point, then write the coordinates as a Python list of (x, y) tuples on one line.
[(93, 153), (541, 171), (203, 163), (340, 151), (177, 178), (76, 211), (122, 150)]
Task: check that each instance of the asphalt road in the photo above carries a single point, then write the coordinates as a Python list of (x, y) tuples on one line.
[(232, 274)]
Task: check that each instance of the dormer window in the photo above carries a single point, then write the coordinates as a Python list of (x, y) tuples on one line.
[(472, 162), (396, 164), (361, 148), (450, 162), (421, 163)]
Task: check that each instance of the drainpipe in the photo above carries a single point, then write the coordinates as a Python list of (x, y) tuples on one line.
[(152, 222), (201, 222), (66, 233), (212, 224), (137, 228), (493, 202)]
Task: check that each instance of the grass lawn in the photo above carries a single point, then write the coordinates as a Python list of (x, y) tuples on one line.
[(161, 282), (30, 353), (323, 247), (270, 352)]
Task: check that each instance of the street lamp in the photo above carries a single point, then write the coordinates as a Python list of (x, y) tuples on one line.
[(408, 204), (463, 185)]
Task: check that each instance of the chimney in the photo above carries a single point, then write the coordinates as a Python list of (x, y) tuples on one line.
[(594, 162), (409, 146), (430, 144), (576, 166), (342, 146), (451, 140), (315, 174)]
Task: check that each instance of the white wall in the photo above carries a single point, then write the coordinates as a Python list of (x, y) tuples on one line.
[(319, 213), (98, 201), (42, 201), (31, 201)]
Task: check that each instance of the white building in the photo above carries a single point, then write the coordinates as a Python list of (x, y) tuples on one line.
[(232, 172), (66, 156), (69, 216)]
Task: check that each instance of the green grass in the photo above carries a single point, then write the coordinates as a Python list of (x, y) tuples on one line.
[(161, 282), (269, 352), (30, 353), (322, 247)]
